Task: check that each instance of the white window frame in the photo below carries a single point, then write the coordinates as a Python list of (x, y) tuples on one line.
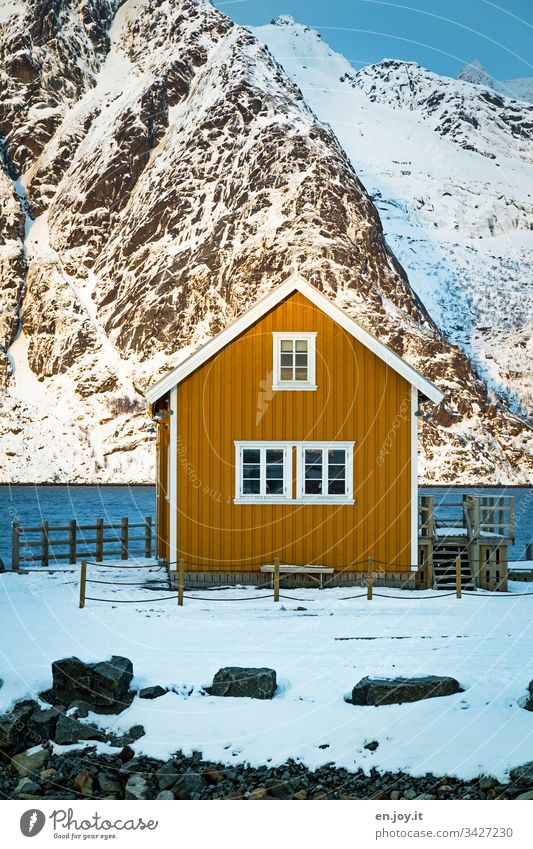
[(323, 497), (263, 497), (287, 497), (292, 385)]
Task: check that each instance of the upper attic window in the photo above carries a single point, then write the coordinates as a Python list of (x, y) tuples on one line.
[(294, 360)]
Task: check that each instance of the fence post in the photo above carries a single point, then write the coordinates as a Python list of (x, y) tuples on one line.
[(83, 579), (44, 545), (181, 576), (429, 569), (458, 576), (369, 579), (276, 579), (99, 540), (15, 547), (124, 539), (148, 537), (72, 541)]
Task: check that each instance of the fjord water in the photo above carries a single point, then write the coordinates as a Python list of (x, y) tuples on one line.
[(30, 505)]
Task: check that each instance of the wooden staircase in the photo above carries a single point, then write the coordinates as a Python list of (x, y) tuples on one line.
[(445, 553)]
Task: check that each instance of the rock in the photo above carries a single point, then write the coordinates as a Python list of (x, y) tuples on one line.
[(444, 790), (279, 789), (83, 783), (487, 782), (426, 796), (371, 746), (48, 774), (523, 774), (126, 754), (389, 691), (258, 793), (527, 795), (529, 703), (152, 692), (42, 725), (167, 776), (409, 793), (213, 776), (395, 794), (135, 732), (108, 784), (79, 709), (188, 786), (165, 794), (136, 787), (31, 762), (27, 787), (70, 730), (14, 727), (102, 685), (244, 682)]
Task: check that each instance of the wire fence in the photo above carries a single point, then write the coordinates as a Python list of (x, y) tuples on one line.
[(183, 592)]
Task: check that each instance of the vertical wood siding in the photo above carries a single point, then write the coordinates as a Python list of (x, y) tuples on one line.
[(359, 398)]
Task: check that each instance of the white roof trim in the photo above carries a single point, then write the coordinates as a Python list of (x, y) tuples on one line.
[(294, 284)]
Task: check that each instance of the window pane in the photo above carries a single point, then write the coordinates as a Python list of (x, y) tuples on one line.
[(336, 455), (313, 455), (300, 360), (301, 374), (274, 471), (335, 472), (286, 360), (313, 471), (274, 455), (313, 487), (250, 471), (286, 374), (287, 344), (250, 487), (336, 487), (274, 487), (250, 455), (301, 344)]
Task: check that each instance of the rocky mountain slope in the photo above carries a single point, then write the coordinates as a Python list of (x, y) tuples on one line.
[(518, 89), (160, 172)]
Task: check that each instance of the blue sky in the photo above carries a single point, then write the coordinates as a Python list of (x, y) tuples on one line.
[(442, 35)]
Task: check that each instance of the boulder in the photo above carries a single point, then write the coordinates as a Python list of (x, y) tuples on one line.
[(523, 775), (136, 787), (27, 789), (30, 763), (69, 730), (42, 725), (390, 691), (529, 702), (244, 682), (167, 776), (165, 795), (188, 786), (152, 692), (83, 783), (103, 685), (14, 727)]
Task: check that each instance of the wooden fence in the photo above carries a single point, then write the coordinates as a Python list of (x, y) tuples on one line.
[(48, 543)]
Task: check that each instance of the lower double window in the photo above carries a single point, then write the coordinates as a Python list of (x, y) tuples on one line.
[(281, 472)]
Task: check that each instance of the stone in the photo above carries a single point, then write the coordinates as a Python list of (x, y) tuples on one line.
[(371, 746), (244, 682), (83, 783), (527, 795), (108, 784), (165, 794), (188, 785), (444, 790), (523, 774), (31, 762), (152, 692), (213, 776), (167, 776), (70, 730), (42, 725), (79, 709), (258, 793), (389, 691), (279, 789), (48, 774), (126, 754), (102, 685), (487, 782), (136, 787), (300, 795), (426, 796), (409, 794), (529, 703), (27, 786), (14, 727)]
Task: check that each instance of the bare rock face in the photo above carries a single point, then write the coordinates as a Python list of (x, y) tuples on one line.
[(390, 691), (170, 174)]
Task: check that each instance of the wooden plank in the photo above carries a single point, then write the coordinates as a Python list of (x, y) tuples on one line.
[(15, 547), (276, 579), (83, 580), (148, 537), (124, 538), (44, 544), (72, 542), (99, 556)]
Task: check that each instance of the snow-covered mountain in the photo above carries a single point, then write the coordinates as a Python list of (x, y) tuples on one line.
[(518, 89), (161, 171)]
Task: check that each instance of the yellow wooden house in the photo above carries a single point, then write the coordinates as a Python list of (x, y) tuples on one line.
[(292, 434)]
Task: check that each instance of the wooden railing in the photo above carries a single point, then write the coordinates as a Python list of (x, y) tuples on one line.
[(100, 541), (478, 515)]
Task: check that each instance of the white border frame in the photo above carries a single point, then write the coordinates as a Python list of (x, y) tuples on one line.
[(288, 466), (294, 385), (301, 495)]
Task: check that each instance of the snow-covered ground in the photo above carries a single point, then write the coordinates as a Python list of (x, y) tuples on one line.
[(319, 643)]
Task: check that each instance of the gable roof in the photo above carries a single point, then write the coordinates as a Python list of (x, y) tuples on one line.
[(294, 284)]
